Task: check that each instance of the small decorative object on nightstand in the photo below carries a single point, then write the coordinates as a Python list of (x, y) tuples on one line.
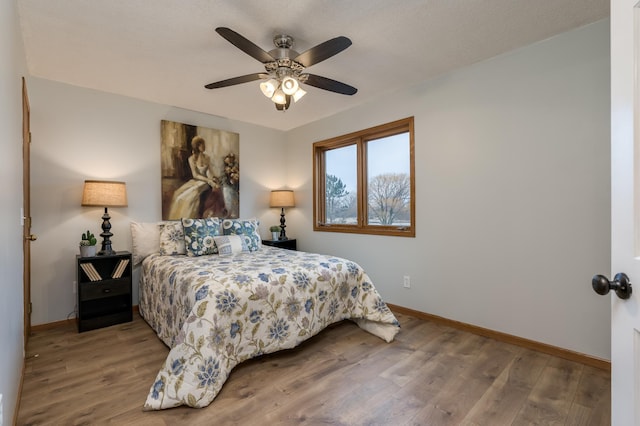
[(104, 290), (275, 230), (285, 244), (88, 244)]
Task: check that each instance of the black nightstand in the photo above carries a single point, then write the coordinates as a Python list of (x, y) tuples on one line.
[(285, 244), (104, 290)]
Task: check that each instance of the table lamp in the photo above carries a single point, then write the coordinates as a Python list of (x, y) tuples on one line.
[(282, 198), (100, 193)]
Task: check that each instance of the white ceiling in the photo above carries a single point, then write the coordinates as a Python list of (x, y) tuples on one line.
[(165, 51)]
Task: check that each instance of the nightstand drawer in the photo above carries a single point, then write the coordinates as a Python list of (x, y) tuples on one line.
[(107, 288)]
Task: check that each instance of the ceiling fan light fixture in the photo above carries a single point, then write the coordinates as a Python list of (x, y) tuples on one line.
[(299, 94), (284, 68), (279, 97), (269, 87), (290, 85)]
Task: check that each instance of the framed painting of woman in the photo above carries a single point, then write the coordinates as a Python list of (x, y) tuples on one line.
[(200, 172)]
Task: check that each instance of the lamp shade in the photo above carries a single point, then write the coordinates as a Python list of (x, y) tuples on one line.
[(269, 87), (102, 193), (289, 85), (282, 198), (299, 94), (279, 97)]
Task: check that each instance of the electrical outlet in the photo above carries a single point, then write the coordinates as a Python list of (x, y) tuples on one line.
[(74, 286), (406, 283)]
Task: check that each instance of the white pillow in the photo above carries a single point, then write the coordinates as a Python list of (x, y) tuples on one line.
[(230, 244), (146, 240)]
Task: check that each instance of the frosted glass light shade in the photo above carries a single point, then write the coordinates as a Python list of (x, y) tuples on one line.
[(269, 87), (279, 97), (289, 85), (298, 95)]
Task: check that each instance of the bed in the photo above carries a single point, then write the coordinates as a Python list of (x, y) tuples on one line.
[(215, 311)]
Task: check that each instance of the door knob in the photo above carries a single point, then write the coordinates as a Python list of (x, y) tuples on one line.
[(32, 237), (620, 285)]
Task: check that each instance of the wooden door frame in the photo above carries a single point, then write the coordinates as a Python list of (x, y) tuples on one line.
[(26, 214)]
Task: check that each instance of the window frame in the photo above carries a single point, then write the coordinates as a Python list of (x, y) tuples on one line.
[(360, 140)]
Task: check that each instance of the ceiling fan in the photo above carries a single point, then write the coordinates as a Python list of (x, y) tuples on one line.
[(285, 67)]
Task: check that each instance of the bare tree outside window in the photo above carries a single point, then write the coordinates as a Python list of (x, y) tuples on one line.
[(389, 198)]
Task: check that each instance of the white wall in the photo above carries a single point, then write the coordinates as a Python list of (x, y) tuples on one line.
[(512, 171), (11, 299), (83, 134)]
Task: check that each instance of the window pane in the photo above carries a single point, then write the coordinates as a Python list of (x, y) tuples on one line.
[(364, 183), (389, 181), (341, 185)]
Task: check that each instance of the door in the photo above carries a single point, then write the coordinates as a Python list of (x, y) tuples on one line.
[(26, 210), (625, 209)]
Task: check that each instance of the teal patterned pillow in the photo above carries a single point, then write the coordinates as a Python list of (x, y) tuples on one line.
[(171, 238), (198, 235), (248, 229)]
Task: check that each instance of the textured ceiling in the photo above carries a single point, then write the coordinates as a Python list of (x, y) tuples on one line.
[(165, 51)]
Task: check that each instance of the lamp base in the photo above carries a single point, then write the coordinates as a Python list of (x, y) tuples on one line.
[(106, 236), (283, 234), (106, 252)]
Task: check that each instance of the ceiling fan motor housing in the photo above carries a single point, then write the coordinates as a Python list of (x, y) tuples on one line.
[(283, 66), (283, 40)]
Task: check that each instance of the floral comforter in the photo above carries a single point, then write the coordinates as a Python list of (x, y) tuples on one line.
[(215, 312)]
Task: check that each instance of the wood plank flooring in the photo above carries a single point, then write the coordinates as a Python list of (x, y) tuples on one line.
[(430, 375)]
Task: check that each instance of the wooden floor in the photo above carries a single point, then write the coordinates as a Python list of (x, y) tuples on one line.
[(430, 375)]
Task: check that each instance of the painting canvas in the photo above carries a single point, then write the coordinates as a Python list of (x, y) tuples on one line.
[(200, 172)]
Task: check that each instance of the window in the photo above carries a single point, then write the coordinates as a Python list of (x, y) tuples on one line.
[(364, 182)]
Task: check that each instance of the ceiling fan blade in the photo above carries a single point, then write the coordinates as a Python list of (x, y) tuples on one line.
[(328, 84), (236, 80), (323, 51), (245, 45)]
